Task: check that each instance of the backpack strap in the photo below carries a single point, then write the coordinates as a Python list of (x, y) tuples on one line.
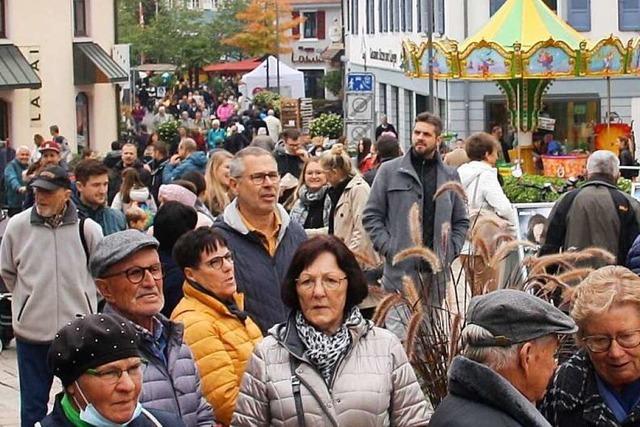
[(295, 385), (83, 239)]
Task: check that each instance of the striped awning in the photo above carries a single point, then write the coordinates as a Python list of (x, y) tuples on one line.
[(15, 71), (88, 54), (526, 22)]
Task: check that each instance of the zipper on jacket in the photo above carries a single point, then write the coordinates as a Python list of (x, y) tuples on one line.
[(165, 370), (88, 303), (24, 304)]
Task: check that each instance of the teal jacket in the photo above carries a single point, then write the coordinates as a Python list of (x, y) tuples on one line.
[(111, 220), (195, 162), (12, 182), (216, 138)]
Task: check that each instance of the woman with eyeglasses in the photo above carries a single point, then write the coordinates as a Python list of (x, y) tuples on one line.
[(327, 365), (216, 328), (98, 362), (600, 384)]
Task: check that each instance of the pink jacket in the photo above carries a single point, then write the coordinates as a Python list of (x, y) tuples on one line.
[(224, 111)]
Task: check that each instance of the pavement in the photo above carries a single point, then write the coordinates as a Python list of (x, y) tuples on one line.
[(10, 388)]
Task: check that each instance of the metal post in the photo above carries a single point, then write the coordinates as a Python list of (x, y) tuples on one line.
[(277, 45), (608, 103), (430, 102)]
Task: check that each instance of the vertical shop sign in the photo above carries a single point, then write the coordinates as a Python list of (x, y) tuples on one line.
[(35, 100)]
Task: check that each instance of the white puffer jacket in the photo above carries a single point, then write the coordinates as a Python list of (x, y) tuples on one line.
[(374, 384)]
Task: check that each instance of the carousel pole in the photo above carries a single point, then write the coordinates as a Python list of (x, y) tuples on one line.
[(430, 104), (608, 103)]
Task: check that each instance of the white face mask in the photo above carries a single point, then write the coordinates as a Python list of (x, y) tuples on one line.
[(139, 195), (91, 416)]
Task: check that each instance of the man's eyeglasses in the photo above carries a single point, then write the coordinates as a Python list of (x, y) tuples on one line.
[(136, 274), (328, 281), (216, 262), (113, 375), (602, 343), (258, 178)]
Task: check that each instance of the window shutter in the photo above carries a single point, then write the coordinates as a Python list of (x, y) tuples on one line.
[(579, 15), (629, 15), (295, 31), (494, 5), (320, 21)]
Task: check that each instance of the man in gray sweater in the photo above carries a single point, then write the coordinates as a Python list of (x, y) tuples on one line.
[(43, 259)]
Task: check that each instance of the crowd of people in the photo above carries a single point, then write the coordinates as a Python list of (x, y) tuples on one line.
[(230, 280)]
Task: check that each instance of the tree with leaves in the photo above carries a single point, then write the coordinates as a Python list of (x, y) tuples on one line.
[(259, 35)]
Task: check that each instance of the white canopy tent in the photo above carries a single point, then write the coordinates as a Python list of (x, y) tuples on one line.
[(291, 80)]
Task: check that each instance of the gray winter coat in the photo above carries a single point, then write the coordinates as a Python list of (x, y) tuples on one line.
[(174, 385), (480, 397), (396, 188), (374, 384)]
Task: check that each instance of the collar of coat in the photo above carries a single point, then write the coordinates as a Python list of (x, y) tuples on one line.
[(406, 166), (232, 218), (286, 334), (577, 388), (70, 215), (479, 383)]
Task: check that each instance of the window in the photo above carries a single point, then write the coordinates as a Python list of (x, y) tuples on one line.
[(383, 11), (371, 27), (80, 18), (438, 17), (3, 22), (406, 10), (310, 25), (5, 108), (579, 14), (383, 98), (313, 87), (82, 121), (494, 5), (629, 15), (354, 17)]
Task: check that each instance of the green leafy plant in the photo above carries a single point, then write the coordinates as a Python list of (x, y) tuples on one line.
[(267, 99), (168, 131), (537, 189), (328, 125), (333, 81)]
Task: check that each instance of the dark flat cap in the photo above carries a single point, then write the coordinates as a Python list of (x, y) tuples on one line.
[(91, 341), (116, 247), (514, 317), (52, 178)]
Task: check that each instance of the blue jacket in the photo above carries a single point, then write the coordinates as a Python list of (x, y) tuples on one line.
[(258, 274), (111, 220), (12, 182), (197, 161), (633, 257), (215, 138), (172, 283)]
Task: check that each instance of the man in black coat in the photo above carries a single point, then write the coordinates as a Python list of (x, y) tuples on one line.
[(129, 159)]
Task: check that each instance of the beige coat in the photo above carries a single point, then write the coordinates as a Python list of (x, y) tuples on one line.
[(347, 223), (374, 385)]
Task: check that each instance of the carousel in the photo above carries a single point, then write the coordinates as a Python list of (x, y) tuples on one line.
[(524, 48)]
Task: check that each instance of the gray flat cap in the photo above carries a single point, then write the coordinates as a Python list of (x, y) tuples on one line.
[(116, 247), (515, 316)]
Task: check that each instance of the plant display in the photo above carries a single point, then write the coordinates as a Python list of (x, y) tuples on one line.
[(333, 81), (168, 131), (267, 99), (328, 125), (536, 188)]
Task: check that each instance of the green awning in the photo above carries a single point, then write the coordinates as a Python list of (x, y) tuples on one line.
[(15, 71), (93, 65)]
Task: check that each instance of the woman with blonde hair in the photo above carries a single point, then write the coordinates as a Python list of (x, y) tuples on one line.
[(309, 203), (600, 384), (216, 196), (348, 193)]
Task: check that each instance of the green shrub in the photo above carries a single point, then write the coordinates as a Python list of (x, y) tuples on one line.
[(328, 125), (267, 99), (168, 131), (531, 188)]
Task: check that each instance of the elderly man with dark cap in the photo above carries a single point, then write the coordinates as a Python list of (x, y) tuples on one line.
[(43, 261), (129, 275), (509, 357), (98, 362)]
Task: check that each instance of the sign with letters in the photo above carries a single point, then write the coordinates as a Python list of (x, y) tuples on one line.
[(35, 99)]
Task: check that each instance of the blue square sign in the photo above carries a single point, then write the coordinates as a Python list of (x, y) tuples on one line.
[(360, 82)]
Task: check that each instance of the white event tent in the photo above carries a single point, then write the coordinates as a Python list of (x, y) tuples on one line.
[(291, 80)]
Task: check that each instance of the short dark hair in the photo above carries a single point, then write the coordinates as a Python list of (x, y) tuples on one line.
[(87, 168), (161, 147), (197, 179), (172, 220), (54, 128), (115, 145), (479, 144), (291, 133), (432, 119), (186, 252), (307, 253), (387, 147)]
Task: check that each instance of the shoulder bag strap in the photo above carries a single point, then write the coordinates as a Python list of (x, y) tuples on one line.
[(295, 385), (83, 239)]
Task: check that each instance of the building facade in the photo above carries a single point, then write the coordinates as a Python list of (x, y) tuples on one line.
[(73, 75), (376, 28), (317, 43)]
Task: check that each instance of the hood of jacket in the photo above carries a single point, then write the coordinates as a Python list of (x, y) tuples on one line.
[(198, 159), (231, 217), (478, 383)]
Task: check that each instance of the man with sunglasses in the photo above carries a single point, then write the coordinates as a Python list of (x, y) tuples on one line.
[(98, 362), (43, 262), (260, 234), (128, 274)]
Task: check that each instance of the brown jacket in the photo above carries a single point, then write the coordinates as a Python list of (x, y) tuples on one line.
[(374, 384)]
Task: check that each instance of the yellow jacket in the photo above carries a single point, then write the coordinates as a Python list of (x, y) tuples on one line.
[(221, 345)]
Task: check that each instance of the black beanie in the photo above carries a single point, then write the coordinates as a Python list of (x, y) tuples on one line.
[(91, 341)]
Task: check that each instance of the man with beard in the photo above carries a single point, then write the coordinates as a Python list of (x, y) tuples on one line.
[(413, 179), (43, 258), (260, 234), (129, 159)]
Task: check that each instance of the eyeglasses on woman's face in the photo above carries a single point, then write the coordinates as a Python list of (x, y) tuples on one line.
[(112, 375), (217, 262), (136, 274), (602, 343), (328, 281)]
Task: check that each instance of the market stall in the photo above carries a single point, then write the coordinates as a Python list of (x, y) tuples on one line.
[(273, 73)]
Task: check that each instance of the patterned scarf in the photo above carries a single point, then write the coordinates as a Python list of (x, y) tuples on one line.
[(324, 351), (300, 209)]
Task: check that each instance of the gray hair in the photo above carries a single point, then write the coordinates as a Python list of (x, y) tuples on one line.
[(189, 145), (603, 162), (236, 166), (23, 148), (270, 112), (496, 358)]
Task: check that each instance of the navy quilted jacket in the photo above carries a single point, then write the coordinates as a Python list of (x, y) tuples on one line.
[(633, 257)]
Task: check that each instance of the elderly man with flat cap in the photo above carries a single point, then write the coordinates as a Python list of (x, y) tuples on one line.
[(128, 273), (43, 261), (98, 362), (510, 340)]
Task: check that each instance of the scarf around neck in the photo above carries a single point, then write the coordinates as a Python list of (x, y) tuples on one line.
[(324, 351)]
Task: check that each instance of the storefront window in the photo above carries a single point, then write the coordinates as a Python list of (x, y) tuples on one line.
[(82, 122), (4, 120), (80, 18), (313, 87)]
